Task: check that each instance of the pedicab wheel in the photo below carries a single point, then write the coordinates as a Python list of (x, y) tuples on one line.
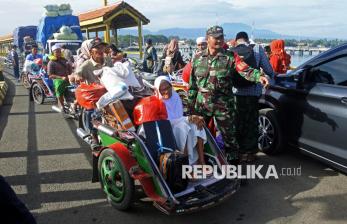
[(115, 180), (37, 93), (82, 120), (24, 80)]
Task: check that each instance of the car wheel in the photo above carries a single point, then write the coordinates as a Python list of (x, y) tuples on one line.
[(270, 136), (37, 93), (115, 180)]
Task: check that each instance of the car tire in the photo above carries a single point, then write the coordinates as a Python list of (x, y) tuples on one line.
[(270, 139)]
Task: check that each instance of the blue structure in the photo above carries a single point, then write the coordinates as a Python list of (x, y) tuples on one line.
[(50, 25), (20, 32)]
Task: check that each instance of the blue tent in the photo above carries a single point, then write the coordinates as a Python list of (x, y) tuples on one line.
[(50, 25), (20, 32)]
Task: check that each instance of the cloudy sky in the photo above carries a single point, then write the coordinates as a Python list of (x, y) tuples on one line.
[(315, 18)]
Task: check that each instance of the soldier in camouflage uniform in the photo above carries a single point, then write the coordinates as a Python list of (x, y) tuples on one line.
[(210, 87)]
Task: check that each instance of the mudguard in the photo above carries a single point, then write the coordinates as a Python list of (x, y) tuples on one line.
[(130, 163), (124, 154)]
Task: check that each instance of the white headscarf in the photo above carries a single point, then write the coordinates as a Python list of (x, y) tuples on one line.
[(200, 40), (84, 52), (174, 106)]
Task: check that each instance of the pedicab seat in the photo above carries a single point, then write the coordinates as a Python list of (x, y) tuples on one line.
[(159, 137)]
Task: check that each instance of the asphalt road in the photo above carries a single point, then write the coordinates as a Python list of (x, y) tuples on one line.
[(50, 170)]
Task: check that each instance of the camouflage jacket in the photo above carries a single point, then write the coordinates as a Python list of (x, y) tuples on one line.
[(210, 85)]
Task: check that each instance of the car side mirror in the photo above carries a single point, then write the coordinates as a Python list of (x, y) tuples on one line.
[(299, 73), (298, 77)]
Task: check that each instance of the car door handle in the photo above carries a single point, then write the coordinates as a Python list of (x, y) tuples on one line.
[(344, 100)]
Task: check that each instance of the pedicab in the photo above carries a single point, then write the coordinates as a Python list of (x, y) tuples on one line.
[(134, 139), (31, 71), (41, 88)]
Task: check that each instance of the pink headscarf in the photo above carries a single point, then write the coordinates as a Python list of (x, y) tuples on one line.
[(172, 48)]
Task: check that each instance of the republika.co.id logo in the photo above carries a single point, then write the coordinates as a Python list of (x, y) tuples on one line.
[(239, 171)]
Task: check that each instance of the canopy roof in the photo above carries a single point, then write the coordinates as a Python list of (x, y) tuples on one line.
[(118, 15), (5, 38)]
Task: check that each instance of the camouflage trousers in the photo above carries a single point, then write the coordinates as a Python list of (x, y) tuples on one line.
[(225, 122), (247, 129)]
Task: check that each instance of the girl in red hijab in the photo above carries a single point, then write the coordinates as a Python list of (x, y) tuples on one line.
[(279, 59)]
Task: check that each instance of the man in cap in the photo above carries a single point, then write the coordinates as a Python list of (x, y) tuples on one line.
[(210, 87), (59, 69), (247, 96), (150, 57), (85, 72), (116, 54)]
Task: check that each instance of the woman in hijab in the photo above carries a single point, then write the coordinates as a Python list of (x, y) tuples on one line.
[(189, 137), (84, 54), (172, 55), (279, 59)]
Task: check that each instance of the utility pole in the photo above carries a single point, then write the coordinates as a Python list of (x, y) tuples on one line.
[(252, 34)]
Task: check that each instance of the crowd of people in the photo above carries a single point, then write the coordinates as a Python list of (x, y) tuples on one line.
[(225, 79)]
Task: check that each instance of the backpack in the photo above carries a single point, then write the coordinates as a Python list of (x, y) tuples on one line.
[(170, 165), (247, 54)]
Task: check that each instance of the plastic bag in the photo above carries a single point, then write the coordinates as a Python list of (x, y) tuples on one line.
[(118, 92), (65, 30), (65, 12), (27, 66), (88, 95), (65, 7), (62, 36), (52, 7), (149, 109), (121, 72)]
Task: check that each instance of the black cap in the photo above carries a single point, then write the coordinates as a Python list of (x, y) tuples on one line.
[(96, 44), (114, 48), (215, 31), (149, 41), (242, 35)]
